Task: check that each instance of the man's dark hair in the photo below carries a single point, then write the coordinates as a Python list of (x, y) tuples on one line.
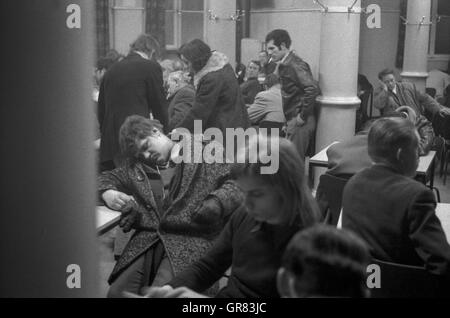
[(104, 63), (197, 52), (147, 44), (327, 262), (133, 129), (385, 72), (257, 63), (279, 36), (271, 79), (387, 135)]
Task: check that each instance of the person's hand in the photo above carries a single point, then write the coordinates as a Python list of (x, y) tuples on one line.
[(444, 111), (127, 221), (184, 292), (157, 292), (118, 201), (209, 212), (383, 86), (168, 292)]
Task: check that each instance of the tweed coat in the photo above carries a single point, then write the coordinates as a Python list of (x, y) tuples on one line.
[(185, 240)]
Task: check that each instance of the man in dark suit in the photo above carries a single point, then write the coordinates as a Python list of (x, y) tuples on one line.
[(133, 86), (393, 213)]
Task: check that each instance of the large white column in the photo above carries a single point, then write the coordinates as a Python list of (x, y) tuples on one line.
[(220, 28), (338, 72), (47, 162), (417, 34)]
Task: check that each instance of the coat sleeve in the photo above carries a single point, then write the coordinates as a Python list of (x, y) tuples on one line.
[(257, 110), (206, 98), (143, 217), (310, 87), (430, 105), (228, 195), (116, 179), (182, 104), (380, 98), (156, 97), (427, 235), (211, 267)]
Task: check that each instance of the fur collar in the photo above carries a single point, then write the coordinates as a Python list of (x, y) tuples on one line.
[(216, 62)]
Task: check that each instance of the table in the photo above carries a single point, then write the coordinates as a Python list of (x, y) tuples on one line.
[(320, 159), (106, 219), (443, 213), (425, 170)]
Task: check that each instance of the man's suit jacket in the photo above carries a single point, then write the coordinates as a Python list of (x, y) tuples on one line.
[(407, 95), (396, 216), (133, 86)]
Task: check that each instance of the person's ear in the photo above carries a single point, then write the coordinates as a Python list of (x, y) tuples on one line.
[(283, 46)]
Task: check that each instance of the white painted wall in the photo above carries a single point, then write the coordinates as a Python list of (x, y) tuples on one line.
[(378, 47), (128, 23), (221, 35), (297, 18)]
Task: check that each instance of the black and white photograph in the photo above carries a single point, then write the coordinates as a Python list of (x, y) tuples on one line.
[(241, 150)]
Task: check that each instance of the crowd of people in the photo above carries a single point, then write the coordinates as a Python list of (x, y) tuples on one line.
[(266, 230)]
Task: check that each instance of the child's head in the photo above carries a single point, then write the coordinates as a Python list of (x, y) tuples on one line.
[(282, 197), (323, 261)]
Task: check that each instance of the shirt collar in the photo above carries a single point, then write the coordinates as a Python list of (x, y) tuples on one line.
[(395, 89), (142, 54), (285, 57)]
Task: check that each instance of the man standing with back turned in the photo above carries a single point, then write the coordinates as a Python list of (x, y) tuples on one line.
[(133, 86)]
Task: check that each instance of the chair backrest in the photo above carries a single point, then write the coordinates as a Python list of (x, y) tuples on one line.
[(404, 281), (333, 188)]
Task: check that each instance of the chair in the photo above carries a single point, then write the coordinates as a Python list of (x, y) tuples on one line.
[(405, 281), (330, 189)]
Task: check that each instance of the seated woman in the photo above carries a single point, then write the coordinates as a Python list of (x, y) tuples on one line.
[(322, 261), (174, 230), (253, 241)]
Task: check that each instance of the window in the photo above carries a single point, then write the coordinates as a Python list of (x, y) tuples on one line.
[(127, 22), (440, 29), (184, 22)]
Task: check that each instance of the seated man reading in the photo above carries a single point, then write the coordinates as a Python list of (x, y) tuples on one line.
[(174, 230)]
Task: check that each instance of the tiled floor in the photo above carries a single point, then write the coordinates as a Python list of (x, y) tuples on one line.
[(106, 241)]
